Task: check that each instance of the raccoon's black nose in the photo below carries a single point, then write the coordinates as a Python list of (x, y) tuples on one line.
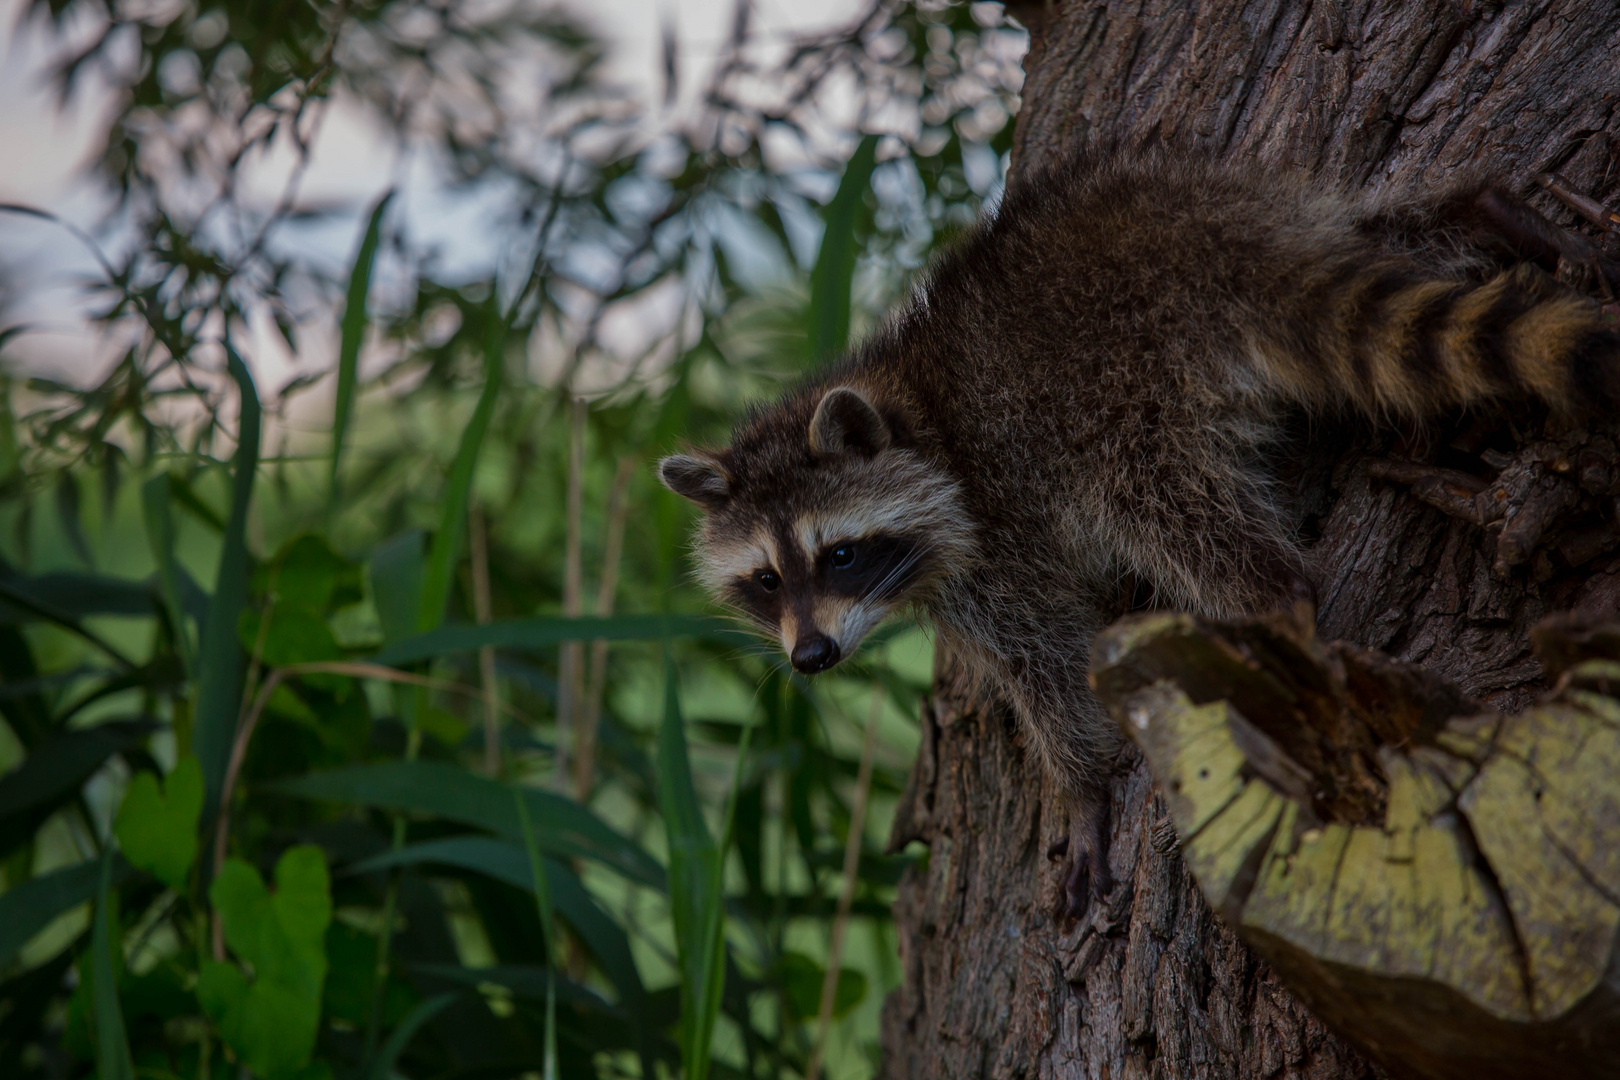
[(813, 653)]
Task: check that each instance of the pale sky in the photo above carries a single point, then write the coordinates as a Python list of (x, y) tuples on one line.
[(46, 150)]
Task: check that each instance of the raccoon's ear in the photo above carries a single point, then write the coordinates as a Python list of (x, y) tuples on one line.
[(700, 479), (846, 422)]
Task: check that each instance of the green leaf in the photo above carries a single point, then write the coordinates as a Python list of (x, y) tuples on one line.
[(28, 908), (402, 1035), (696, 896), (834, 272), (271, 1020), (67, 512), (19, 596), (444, 725), (546, 631), (548, 927), (508, 862), (294, 636), (66, 596), (351, 977), (354, 333), (184, 494), (801, 979), (27, 714), (308, 575), (441, 566), (158, 829), (160, 538), (221, 665), (113, 1059), (530, 981), (52, 774), (562, 827), (396, 585)]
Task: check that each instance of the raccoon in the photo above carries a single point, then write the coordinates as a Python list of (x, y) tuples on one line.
[(1090, 388)]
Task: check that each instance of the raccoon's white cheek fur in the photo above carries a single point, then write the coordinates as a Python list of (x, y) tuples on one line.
[(847, 622), (720, 563)]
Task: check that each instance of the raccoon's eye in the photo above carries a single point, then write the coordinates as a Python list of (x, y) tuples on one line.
[(842, 556), (767, 580)]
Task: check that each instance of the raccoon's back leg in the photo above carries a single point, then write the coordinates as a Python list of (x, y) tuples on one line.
[(1186, 506)]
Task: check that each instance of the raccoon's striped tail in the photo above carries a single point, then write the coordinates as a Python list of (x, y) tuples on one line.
[(1385, 337)]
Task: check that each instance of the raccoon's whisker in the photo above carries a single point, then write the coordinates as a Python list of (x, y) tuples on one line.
[(895, 573), (759, 685), (882, 587), (743, 614)]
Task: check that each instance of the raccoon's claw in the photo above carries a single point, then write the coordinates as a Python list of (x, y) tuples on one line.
[(1087, 876), (1302, 590), (1301, 603)]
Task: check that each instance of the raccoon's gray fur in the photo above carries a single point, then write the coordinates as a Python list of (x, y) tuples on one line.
[(1087, 387)]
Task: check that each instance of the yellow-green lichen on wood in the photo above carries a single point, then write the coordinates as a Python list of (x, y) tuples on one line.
[(1473, 929)]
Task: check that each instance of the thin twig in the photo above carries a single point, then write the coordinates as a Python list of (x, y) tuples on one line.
[(618, 510), (852, 859), (483, 612), (571, 663), (1584, 205)]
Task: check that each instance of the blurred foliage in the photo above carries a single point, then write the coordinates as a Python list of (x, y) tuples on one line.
[(319, 757)]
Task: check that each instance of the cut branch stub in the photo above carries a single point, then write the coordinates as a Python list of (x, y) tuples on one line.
[(1555, 493), (1440, 884)]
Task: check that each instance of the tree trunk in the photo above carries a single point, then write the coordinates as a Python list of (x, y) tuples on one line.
[(1153, 984)]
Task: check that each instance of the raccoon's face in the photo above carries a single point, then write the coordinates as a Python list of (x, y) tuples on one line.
[(821, 522)]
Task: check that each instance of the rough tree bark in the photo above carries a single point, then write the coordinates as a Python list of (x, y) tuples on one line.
[(1363, 93)]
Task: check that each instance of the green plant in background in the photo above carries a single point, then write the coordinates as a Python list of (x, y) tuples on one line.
[(306, 769), (269, 1019)]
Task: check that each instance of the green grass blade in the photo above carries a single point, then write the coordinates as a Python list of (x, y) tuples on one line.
[(14, 599), (693, 856), (65, 596), (507, 862), (546, 631), (396, 585), (187, 498), (113, 1060), (51, 776), (220, 663), (27, 713), (160, 537), (530, 981), (713, 941), (354, 332), (28, 908), (441, 566), (563, 828), (834, 272), (542, 902), (406, 1031)]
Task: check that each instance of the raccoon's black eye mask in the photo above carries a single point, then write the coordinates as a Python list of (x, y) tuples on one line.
[(758, 595), (876, 566)]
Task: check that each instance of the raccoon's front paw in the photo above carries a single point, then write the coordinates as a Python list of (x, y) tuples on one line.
[(1086, 875)]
